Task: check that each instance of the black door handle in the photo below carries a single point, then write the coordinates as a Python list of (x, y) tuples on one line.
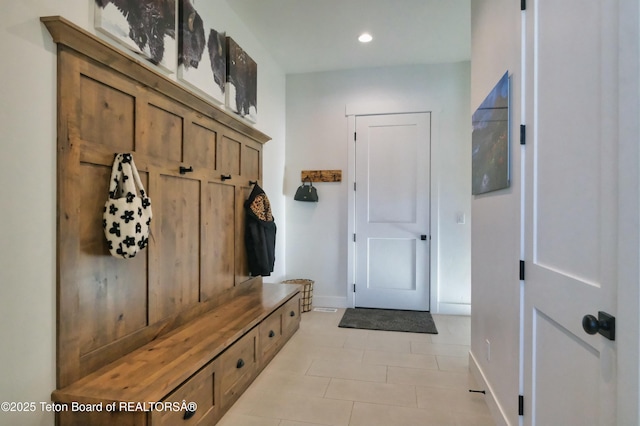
[(605, 324), (424, 237)]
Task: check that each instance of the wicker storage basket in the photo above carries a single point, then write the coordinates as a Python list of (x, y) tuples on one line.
[(307, 292)]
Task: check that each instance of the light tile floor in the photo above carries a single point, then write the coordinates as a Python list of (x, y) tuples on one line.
[(326, 375)]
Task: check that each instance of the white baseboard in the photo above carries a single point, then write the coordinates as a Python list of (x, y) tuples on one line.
[(454, 309), (494, 407), (329, 301), (342, 302)]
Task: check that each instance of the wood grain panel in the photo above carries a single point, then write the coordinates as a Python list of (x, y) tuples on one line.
[(229, 155), (68, 205), (107, 115), (242, 264), (218, 251), (162, 134), (112, 292), (251, 163), (200, 144), (175, 241)]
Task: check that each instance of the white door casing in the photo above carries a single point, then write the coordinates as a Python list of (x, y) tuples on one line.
[(571, 215), (392, 247)]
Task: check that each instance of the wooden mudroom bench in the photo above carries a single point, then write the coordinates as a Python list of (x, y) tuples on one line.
[(176, 334), (209, 361)]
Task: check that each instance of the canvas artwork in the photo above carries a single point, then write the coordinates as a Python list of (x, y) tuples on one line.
[(242, 82), (490, 167), (147, 27), (202, 53)]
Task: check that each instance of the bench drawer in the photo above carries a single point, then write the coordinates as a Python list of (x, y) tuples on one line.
[(270, 334), (202, 389), (291, 316), (238, 365)]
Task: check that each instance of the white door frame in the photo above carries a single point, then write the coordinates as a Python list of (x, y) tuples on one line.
[(351, 112), (628, 326)]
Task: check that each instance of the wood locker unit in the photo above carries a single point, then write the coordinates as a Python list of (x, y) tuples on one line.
[(174, 322)]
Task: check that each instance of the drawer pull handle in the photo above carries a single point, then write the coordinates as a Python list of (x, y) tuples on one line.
[(292, 314), (240, 363), (272, 333), (188, 414)]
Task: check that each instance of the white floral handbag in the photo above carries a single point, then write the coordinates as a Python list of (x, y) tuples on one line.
[(127, 216)]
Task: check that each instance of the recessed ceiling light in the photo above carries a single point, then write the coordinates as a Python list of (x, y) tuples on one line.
[(365, 38)]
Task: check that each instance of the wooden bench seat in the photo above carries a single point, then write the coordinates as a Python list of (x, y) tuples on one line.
[(231, 344)]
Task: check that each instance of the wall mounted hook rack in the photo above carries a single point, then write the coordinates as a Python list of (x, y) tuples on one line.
[(321, 175)]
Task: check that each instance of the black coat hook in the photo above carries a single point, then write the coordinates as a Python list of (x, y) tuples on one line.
[(253, 182), (184, 170)]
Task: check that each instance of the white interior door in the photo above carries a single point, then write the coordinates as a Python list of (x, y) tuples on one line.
[(392, 211), (571, 225)]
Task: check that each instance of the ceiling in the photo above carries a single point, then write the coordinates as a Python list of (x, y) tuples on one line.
[(321, 35)]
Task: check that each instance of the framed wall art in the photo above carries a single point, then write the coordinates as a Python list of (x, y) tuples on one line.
[(146, 27), (242, 82), (202, 52), (490, 162)]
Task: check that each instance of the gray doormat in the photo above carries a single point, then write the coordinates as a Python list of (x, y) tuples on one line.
[(389, 320)]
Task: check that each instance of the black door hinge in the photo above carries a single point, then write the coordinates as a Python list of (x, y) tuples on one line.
[(521, 405), (355, 136), (523, 4), (523, 134), (354, 288), (354, 186), (522, 270), (354, 238)]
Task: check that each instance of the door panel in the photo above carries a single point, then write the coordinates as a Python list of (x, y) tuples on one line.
[(571, 210), (392, 174), (392, 263), (392, 211), (559, 353)]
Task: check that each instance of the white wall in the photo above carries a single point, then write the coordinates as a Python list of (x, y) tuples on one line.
[(28, 190), (317, 138), (496, 216)]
